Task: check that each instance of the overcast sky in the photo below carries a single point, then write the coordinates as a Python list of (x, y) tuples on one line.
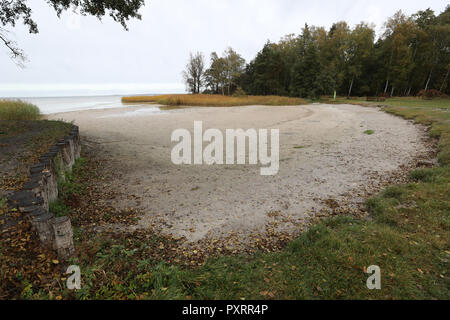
[(83, 52)]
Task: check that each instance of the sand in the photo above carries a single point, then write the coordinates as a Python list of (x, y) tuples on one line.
[(324, 156)]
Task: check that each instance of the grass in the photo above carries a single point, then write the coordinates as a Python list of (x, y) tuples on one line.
[(18, 110), (214, 100), (369, 132), (68, 187), (411, 102)]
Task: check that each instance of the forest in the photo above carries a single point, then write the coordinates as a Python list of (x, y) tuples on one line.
[(411, 57)]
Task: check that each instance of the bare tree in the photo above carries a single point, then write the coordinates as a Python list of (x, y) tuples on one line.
[(194, 72)]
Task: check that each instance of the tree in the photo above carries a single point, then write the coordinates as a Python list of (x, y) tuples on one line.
[(398, 51), (194, 73), (234, 66), (14, 11), (265, 73), (310, 77), (413, 54), (334, 53), (224, 72), (359, 49), (216, 74)]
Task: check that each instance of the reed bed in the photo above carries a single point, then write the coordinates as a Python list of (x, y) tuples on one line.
[(214, 100)]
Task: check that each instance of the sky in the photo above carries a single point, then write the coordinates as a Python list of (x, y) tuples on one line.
[(81, 55)]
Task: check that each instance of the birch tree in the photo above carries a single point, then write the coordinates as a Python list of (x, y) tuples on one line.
[(193, 75)]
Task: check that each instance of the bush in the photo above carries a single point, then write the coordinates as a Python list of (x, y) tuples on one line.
[(239, 92), (430, 94), (18, 110)]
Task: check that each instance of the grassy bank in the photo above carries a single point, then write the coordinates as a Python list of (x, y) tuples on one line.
[(22, 142), (211, 100), (18, 110)]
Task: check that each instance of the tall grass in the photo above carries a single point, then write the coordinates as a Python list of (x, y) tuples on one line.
[(214, 100), (18, 110)]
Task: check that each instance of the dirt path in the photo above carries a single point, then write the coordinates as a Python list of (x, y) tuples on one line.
[(324, 155)]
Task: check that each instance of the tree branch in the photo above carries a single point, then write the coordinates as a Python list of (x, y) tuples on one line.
[(16, 54)]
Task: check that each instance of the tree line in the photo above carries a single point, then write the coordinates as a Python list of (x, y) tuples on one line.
[(411, 57)]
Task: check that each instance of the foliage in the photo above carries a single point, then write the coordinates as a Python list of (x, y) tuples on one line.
[(411, 55), (12, 11), (223, 74), (239, 92)]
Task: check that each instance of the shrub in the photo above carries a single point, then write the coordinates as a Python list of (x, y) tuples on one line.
[(239, 92), (430, 94)]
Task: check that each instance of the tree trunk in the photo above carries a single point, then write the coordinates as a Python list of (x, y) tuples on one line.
[(445, 80), (63, 237), (428, 81), (350, 89), (409, 91), (386, 87), (392, 91)]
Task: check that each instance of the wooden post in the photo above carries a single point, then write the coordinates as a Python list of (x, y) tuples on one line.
[(63, 237), (44, 229)]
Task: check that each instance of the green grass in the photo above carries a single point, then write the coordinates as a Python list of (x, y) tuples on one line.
[(411, 102), (18, 110), (369, 132), (68, 187), (443, 103), (59, 208)]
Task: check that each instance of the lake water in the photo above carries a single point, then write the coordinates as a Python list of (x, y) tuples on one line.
[(49, 105)]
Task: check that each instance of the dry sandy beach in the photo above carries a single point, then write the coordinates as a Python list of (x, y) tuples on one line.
[(324, 157)]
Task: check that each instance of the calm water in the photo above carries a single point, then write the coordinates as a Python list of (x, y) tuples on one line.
[(65, 104)]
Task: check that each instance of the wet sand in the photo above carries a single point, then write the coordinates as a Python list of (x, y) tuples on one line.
[(324, 156)]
